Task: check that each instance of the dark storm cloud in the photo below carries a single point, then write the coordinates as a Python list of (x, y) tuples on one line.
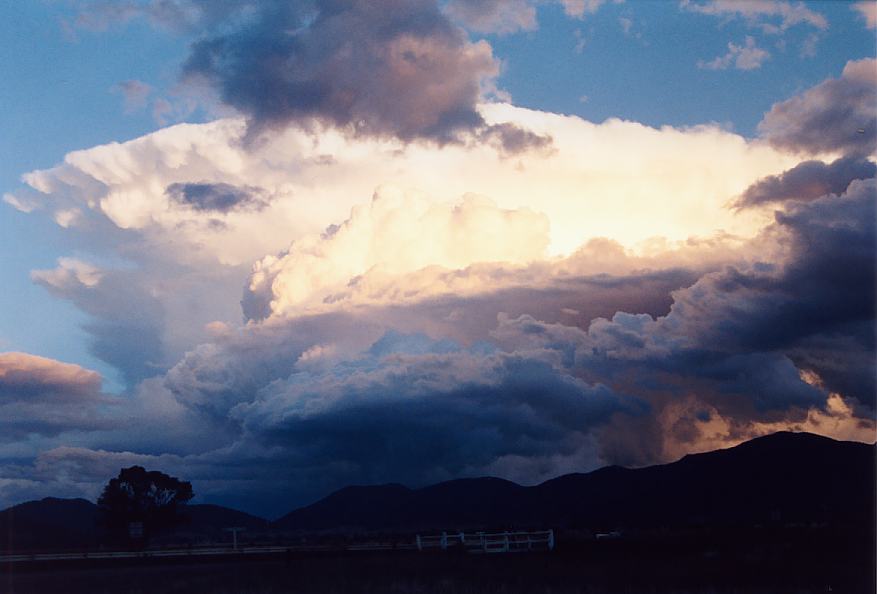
[(826, 292), (837, 115), (392, 68), (737, 340), (387, 68), (418, 417), (216, 377), (338, 398), (512, 139), (807, 181), (216, 197)]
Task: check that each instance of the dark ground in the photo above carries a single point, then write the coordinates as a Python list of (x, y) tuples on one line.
[(803, 562)]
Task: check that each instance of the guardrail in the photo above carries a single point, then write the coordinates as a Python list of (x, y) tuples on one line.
[(482, 542)]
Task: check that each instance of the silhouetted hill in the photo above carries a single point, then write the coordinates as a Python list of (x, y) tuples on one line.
[(58, 524), (395, 506), (781, 479)]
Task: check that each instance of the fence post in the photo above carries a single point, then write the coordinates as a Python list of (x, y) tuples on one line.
[(444, 540), (419, 545), (551, 539)]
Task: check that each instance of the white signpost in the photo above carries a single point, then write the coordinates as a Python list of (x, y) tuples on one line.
[(234, 535)]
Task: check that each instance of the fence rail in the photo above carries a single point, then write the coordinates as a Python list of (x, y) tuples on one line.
[(202, 552), (482, 542), (475, 542)]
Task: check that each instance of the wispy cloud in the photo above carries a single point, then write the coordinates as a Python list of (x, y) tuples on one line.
[(135, 94), (742, 57), (771, 16), (868, 11)]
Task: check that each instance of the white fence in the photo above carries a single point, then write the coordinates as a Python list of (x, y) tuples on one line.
[(204, 551), (477, 542), (482, 542)]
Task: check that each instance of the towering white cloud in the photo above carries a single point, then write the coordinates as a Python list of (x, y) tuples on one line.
[(396, 234)]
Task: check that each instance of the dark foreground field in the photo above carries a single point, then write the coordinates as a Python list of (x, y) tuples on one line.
[(599, 567)]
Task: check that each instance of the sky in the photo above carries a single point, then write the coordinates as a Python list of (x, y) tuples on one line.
[(279, 248)]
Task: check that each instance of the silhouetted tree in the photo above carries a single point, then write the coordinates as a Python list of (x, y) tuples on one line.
[(138, 498)]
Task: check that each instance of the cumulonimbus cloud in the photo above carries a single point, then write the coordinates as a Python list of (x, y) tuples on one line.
[(560, 351), (190, 257)]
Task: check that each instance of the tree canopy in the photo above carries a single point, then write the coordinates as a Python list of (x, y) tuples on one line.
[(138, 495)]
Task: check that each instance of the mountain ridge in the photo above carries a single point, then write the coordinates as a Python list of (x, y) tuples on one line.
[(782, 477)]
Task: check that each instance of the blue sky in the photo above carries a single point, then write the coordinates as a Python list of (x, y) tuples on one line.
[(650, 74), (210, 295)]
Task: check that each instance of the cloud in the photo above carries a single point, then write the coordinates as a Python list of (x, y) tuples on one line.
[(44, 397), (46, 380), (579, 8), (386, 392), (177, 267), (119, 308), (546, 328), (807, 181), (634, 387), (398, 69), (744, 342), (510, 140), (314, 181), (771, 16), (290, 387), (811, 301), (427, 416), (494, 16), (835, 116), (99, 15), (743, 57), (868, 11), (135, 94), (216, 197), (395, 234)]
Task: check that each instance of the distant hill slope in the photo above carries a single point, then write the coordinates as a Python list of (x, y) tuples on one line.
[(204, 518), (50, 522), (784, 477)]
